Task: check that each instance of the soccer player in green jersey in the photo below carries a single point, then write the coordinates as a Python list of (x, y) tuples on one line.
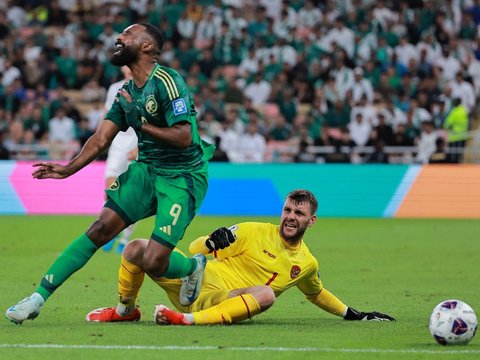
[(169, 180)]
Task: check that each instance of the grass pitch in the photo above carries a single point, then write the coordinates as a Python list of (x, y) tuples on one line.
[(401, 267)]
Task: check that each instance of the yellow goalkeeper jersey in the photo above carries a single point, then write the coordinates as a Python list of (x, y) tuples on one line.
[(260, 256)]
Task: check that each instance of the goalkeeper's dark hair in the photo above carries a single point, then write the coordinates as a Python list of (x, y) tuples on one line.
[(156, 34), (304, 196)]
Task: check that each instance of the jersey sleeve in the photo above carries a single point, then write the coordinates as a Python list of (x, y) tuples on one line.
[(328, 302), (117, 115), (312, 287), (311, 283), (174, 97)]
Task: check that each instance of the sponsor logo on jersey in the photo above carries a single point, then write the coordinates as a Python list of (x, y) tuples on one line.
[(151, 104), (115, 185), (179, 107), (295, 271), (269, 254)]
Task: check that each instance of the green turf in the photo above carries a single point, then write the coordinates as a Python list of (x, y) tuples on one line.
[(402, 267)]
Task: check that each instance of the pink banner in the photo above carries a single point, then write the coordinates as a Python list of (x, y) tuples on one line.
[(82, 193)]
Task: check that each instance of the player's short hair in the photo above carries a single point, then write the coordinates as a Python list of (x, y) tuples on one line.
[(156, 35), (304, 196)]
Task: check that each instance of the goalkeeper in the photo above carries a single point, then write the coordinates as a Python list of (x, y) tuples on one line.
[(254, 264)]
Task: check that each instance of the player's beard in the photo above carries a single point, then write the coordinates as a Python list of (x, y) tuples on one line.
[(126, 56), (293, 238)]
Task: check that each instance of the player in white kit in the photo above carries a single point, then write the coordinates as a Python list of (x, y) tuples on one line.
[(121, 152)]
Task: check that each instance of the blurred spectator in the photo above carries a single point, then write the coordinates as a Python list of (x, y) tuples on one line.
[(95, 115), (186, 26), (62, 135), (338, 115), (4, 153), (9, 101), (456, 125), (309, 16), (464, 90), (233, 94), (228, 139), (361, 86), (56, 15), (207, 28), (258, 90), (360, 130), (281, 130), (4, 25), (37, 124), (211, 125), (439, 112), (449, 66), (219, 155), (378, 156), (303, 155), (14, 136), (249, 64), (426, 143), (382, 131), (10, 73), (440, 155), (251, 145), (93, 92)]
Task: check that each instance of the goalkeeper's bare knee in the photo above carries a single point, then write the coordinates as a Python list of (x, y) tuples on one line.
[(264, 295)]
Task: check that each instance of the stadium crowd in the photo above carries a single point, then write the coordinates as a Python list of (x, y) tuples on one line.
[(272, 80)]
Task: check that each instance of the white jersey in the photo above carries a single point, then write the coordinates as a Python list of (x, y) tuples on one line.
[(124, 142)]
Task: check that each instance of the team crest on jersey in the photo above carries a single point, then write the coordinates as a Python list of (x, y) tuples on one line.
[(179, 107), (151, 104), (295, 271), (115, 185)]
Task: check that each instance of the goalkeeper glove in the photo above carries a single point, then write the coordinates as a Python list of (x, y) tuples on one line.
[(131, 113), (219, 239), (353, 314)]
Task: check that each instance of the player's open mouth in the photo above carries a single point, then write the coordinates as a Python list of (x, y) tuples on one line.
[(289, 226), (118, 47)]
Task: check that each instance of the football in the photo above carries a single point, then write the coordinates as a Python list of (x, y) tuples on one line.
[(453, 322)]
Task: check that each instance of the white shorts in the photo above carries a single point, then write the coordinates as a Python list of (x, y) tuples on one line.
[(117, 157)]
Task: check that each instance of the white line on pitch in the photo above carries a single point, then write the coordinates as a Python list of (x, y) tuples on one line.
[(236, 348)]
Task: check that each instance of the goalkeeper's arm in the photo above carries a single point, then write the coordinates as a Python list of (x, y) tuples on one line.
[(330, 303)]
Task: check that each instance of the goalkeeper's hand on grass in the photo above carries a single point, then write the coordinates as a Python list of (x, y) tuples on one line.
[(353, 314), (219, 239)]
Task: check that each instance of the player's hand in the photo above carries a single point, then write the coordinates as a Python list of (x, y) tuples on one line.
[(220, 239), (353, 314), (133, 154), (47, 170), (131, 113)]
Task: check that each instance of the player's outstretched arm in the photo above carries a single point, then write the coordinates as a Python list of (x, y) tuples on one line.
[(353, 314), (330, 303), (97, 143)]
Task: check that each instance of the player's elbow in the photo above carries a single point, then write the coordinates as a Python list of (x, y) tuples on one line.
[(185, 139)]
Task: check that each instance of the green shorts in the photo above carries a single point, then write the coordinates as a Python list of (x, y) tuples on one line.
[(173, 198)]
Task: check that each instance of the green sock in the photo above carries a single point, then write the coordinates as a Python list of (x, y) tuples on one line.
[(179, 266), (70, 260)]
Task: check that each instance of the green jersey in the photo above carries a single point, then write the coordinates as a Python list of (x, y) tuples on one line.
[(164, 101)]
